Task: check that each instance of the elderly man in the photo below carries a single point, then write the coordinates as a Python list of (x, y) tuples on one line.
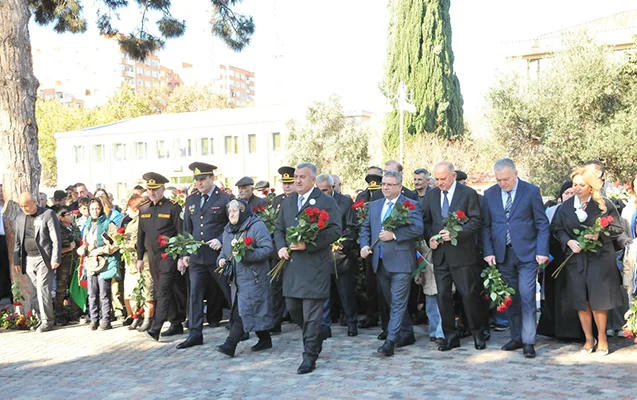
[(37, 252), (306, 277), (245, 187)]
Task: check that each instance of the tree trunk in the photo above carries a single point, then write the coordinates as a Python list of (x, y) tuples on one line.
[(19, 142)]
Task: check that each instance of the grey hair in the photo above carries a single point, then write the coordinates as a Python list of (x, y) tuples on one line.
[(422, 171), (398, 165), (235, 204), (504, 163), (394, 174), (447, 165), (311, 167), (336, 178), (325, 178)]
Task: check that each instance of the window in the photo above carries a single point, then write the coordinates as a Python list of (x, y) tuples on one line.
[(140, 82), (155, 63), (129, 68), (140, 71), (252, 144), (147, 62), (49, 96), (276, 141), (155, 74), (121, 191), (78, 154), (119, 152), (207, 146), (141, 150), (185, 148), (98, 153), (162, 149), (148, 83), (231, 144), (147, 72)]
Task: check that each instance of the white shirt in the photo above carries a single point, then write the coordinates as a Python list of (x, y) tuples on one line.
[(385, 206), (305, 197), (450, 193), (505, 195), (1, 222), (209, 196)]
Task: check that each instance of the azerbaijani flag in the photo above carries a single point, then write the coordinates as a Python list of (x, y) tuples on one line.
[(79, 289), (422, 263), (547, 262)]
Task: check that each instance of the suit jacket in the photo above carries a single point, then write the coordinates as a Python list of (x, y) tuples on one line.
[(307, 272), (528, 225), (399, 255), (343, 258), (48, 238), (370, 195), (206, 223), (257, 202), (154, 220), (465, 199)]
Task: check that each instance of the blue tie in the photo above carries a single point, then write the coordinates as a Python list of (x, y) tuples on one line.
[(300, 205), (387, 214), (507, 214), (445, 205)]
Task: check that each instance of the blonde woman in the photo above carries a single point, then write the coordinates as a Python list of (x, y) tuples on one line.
[(592, 277)]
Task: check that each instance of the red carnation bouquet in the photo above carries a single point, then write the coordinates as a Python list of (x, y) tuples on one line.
[(397, 218), (178, 245), (311, 222), (268, 196), (361, 209), (122, 240), (180, 197), (453, 224), (496, 289), (599, 227), (630, 328), (240, 246)]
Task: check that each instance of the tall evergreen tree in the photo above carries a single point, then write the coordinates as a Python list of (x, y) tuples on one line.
[(419, 53)]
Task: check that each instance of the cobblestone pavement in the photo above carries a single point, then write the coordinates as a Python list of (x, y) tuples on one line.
[(76, 363)]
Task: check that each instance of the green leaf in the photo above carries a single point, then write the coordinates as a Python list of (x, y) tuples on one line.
[(454, 242), (493, 296)]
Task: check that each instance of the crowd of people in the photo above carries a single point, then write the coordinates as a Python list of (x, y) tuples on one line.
[(356, 265)]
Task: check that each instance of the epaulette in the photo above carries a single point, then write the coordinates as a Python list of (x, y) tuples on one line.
[(144, 202), (174, 201)]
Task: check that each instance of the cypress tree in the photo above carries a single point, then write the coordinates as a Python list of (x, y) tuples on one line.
[(419, 53)]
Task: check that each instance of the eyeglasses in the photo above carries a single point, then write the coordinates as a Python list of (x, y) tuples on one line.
[(389, 184)]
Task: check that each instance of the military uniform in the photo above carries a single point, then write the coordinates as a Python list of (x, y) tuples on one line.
[(155, 219)]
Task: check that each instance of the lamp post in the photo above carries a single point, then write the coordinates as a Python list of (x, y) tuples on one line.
[(404, 104)]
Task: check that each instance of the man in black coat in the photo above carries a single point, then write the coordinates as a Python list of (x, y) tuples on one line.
[(306, 277), (205, 216), (245, 187), (455, 264)]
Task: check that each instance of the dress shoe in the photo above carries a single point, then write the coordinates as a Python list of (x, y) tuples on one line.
[(145, 326), (262, 344), (104, 326), (406, 341), (325, 333), (136, 324), (352, 330), (128, 321), (528, 351), (276, 330), (306, 367), (486, 335), (387, 349), (190, 342), (246, 336), (440, 341), (62, 321), (44, 328), (364, 324), (479, 343), (153, 334), (383, 335), (512, 345), (214, 324), (94, 325), (449, 344), (174, 329), (226, 349), (463, 333)]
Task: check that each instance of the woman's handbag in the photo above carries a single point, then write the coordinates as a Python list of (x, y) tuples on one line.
[(94, 265)]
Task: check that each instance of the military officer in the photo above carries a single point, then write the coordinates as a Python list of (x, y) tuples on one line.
[(205, 217), (160, 216), (260, 187), (245, 186), (278, 302)]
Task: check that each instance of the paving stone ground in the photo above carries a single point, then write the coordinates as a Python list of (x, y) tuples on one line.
[(76, 363)]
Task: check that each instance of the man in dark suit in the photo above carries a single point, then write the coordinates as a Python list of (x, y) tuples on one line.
[(516, 235), (245, 186), (306, 277), (394, 259), (37, 252), (455, 264), (345, 283), (160, 216), (205, 216)]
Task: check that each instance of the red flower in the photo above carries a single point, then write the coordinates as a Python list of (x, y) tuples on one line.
[(121, 230), (321, 224), (610, 219), (604, 222), (271, 190), (163, 243), (409, 205), (76, 212), (460, 214), (162, 238), (262, 208), (309, 212), (485, 297), (179, 191), (248, 241), (164, 256), (17, 304), (141, 310), (29, 313), (628, 333), (313, 218), (255, 208), (324, 215), (360, 203), (508, 301), (135, 316), (265, 192), (502, 308)]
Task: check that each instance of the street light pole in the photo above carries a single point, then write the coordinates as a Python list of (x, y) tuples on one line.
[(404, 104)]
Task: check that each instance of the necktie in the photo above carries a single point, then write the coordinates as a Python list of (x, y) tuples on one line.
[(507, 214), (205, 199), (387, 214), (300, 202), (445, 205)]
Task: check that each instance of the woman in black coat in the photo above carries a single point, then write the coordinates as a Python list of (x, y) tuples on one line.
[(593, 281)]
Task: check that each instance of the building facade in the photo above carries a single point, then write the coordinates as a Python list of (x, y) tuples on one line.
[(236, 83)]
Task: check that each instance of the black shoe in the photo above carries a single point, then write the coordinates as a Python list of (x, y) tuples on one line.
[(450, 344), (486, 335), (406, 341), (246, 336), (153, 334), (529, 351), (226, 349), (145, 326), (62, 321), (174, 329), (275, 330), (190, 342), (512, 345), (440, 341), (325, 332), (94, 325), (387, 349), (365, 324), (463, 333), (104, 326), (214, 324), (383, 335), (262, 345), (128, 321), (352, 330), (479, 343), (136, 324), (306, 367)]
